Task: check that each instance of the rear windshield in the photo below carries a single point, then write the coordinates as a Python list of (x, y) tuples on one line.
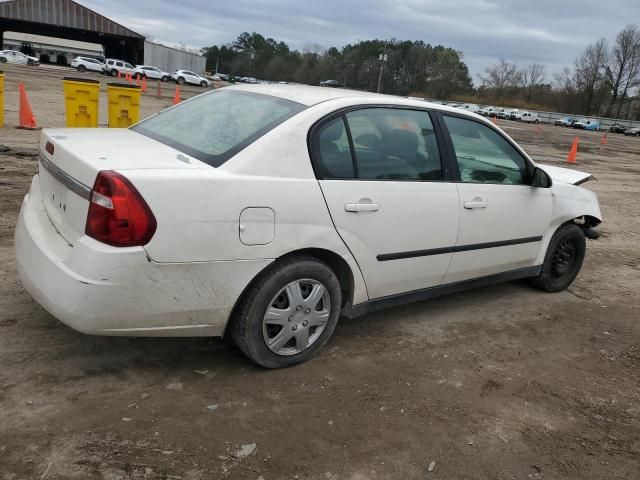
[(215, 126)]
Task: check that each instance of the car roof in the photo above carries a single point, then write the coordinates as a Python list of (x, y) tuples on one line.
[(312, 95)]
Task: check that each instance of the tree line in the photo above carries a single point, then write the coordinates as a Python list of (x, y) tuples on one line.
[(603, 80), (406, 66)]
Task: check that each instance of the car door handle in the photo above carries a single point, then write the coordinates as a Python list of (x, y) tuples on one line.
[(475, 203), (362, 207)]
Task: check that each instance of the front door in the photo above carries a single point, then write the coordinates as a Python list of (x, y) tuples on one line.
[(502, 217), (381, 174)]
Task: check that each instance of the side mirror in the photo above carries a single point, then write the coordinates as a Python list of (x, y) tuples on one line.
[(540, 179)]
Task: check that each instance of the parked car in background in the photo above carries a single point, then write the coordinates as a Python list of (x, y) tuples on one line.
[(113, 66), (14, 56), (503, 113), (151, 72), (529, 117), (565, 122), (329, 83), (587, 124), (186, 76), (82, 64), (250, 211), (513, 114), (632, 132), (488, 111), (618, 128), (470, 107)]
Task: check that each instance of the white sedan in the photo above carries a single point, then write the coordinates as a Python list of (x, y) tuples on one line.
[(185, 76), (13, 56), (266, 212)]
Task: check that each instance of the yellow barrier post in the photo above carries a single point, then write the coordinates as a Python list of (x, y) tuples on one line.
[(81, 101), (124, 104), (1, 99)]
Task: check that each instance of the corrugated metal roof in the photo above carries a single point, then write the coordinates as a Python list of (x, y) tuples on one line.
[(63, 13)]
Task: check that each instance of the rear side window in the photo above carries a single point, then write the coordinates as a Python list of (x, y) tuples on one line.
[(215, 126), (387, 144)]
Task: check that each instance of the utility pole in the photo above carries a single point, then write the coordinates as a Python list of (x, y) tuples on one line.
[(250, 62), (383, 59)]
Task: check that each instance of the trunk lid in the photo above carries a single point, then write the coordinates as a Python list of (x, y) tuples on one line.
[(67, 175)]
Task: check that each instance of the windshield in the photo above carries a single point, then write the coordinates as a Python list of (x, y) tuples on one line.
[(215, 126)]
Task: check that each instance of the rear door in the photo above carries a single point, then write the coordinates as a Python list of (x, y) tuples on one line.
[(502, 217), (381, 173)]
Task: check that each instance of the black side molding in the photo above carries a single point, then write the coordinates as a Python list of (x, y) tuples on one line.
[(456, 248), (352, 311)]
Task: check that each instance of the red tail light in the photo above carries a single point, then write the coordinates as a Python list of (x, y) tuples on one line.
[(118, 215)]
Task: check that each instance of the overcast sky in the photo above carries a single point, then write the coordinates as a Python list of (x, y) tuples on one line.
[(551, 32)]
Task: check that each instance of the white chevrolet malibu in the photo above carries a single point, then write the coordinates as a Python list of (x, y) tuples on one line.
[(266, 212)]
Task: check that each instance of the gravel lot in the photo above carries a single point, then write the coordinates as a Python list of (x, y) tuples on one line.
[(500, 382)]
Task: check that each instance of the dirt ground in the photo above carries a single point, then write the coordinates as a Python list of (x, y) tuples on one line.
[(503, 382)]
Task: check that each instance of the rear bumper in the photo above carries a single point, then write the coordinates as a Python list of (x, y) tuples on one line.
[(102, 290)]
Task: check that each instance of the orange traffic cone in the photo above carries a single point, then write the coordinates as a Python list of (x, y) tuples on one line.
[(138, 82), (26, 116), (571, 158), (494, 120), (119, 74), (158, 92), (176, 96), (128, 78), (604, 139), (144, 84)]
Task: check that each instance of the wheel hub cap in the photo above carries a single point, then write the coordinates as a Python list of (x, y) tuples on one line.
[(296, 317)]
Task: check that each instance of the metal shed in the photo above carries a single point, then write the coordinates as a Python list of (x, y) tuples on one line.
[(171, 59), (70, 20)]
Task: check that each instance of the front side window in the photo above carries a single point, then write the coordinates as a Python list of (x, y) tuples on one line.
[(483, 155), (394, 144), (214, 127)]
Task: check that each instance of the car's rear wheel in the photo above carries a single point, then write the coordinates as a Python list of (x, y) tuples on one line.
[(563, 260), (3, 60), (288, 313), (82, 68), (165, 78), (114, 73), (203, 83), (180, 81)]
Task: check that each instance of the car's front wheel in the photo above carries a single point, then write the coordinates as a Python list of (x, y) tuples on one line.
[(203, 84), (3, 60), (82, 68), (165, 78), (563, 260), (288, 313), (180, 81)]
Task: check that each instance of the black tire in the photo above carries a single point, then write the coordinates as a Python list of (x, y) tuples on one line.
[(247, 323), (563, 260), (165, 78), (82, 68), (3, 60), (30, 63), (203, 84), (180, 81), (114, 72)]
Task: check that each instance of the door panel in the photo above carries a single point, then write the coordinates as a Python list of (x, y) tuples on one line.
[(412, 217), (399, 227), (502, 218)]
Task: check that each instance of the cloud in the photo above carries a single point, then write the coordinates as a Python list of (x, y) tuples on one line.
[(543, 31)]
